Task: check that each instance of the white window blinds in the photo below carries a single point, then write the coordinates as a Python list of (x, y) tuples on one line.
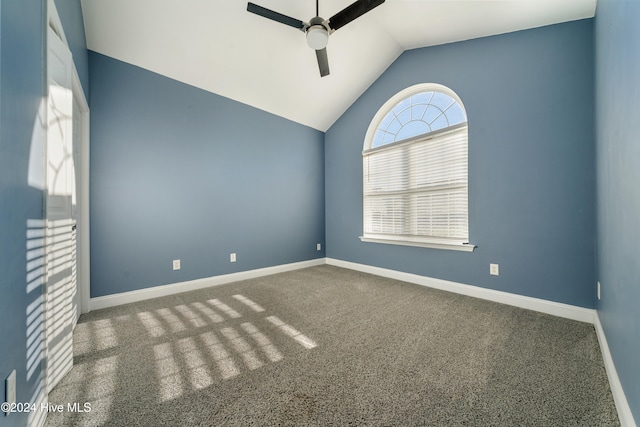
[(416, 190)]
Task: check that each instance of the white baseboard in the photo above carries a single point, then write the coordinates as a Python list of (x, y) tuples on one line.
[(554, 308), (549, 307), (622, 406), (192, 285)]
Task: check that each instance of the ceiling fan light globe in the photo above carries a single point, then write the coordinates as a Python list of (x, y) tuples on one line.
[(317, 37)]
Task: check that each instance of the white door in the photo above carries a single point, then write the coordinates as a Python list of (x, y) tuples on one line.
[(60, 201)]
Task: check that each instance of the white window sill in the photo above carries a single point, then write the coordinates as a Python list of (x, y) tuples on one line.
[(452, 246)]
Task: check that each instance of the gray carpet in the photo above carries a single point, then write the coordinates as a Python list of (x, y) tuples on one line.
[(329, 346)]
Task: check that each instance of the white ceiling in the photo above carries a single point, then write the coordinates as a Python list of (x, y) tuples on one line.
[(218, 46)]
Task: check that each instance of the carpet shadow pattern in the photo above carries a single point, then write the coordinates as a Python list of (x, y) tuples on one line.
[(330, 346)]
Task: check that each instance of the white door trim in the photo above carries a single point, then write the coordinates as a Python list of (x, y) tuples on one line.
[(83, 263)]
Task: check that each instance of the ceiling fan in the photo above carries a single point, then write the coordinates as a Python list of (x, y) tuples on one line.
[(319, 29)]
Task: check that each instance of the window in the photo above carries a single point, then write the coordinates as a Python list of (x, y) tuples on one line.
[(415, 171)]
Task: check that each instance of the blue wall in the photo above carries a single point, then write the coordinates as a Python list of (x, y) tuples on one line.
[(617, 35), (162, 152), (180, 173), (21, 92), (529, 101)]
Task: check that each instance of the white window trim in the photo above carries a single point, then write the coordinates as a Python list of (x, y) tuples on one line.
[(416, 241)]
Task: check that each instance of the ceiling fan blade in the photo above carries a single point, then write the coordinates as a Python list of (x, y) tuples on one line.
[(275, 16), (323, 62), (352, 12)]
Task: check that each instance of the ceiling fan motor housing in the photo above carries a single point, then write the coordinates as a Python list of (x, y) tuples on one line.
[(317, 33)]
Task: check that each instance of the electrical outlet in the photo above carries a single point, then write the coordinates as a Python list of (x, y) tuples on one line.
[(598, 290), (176, 264), (232, 257), (494, 269), (10, 389), (318, 247)]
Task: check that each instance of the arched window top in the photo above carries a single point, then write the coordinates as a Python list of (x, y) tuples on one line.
[(415, 111)]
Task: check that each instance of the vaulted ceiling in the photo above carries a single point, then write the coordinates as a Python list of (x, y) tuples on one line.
[(218, 46)]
